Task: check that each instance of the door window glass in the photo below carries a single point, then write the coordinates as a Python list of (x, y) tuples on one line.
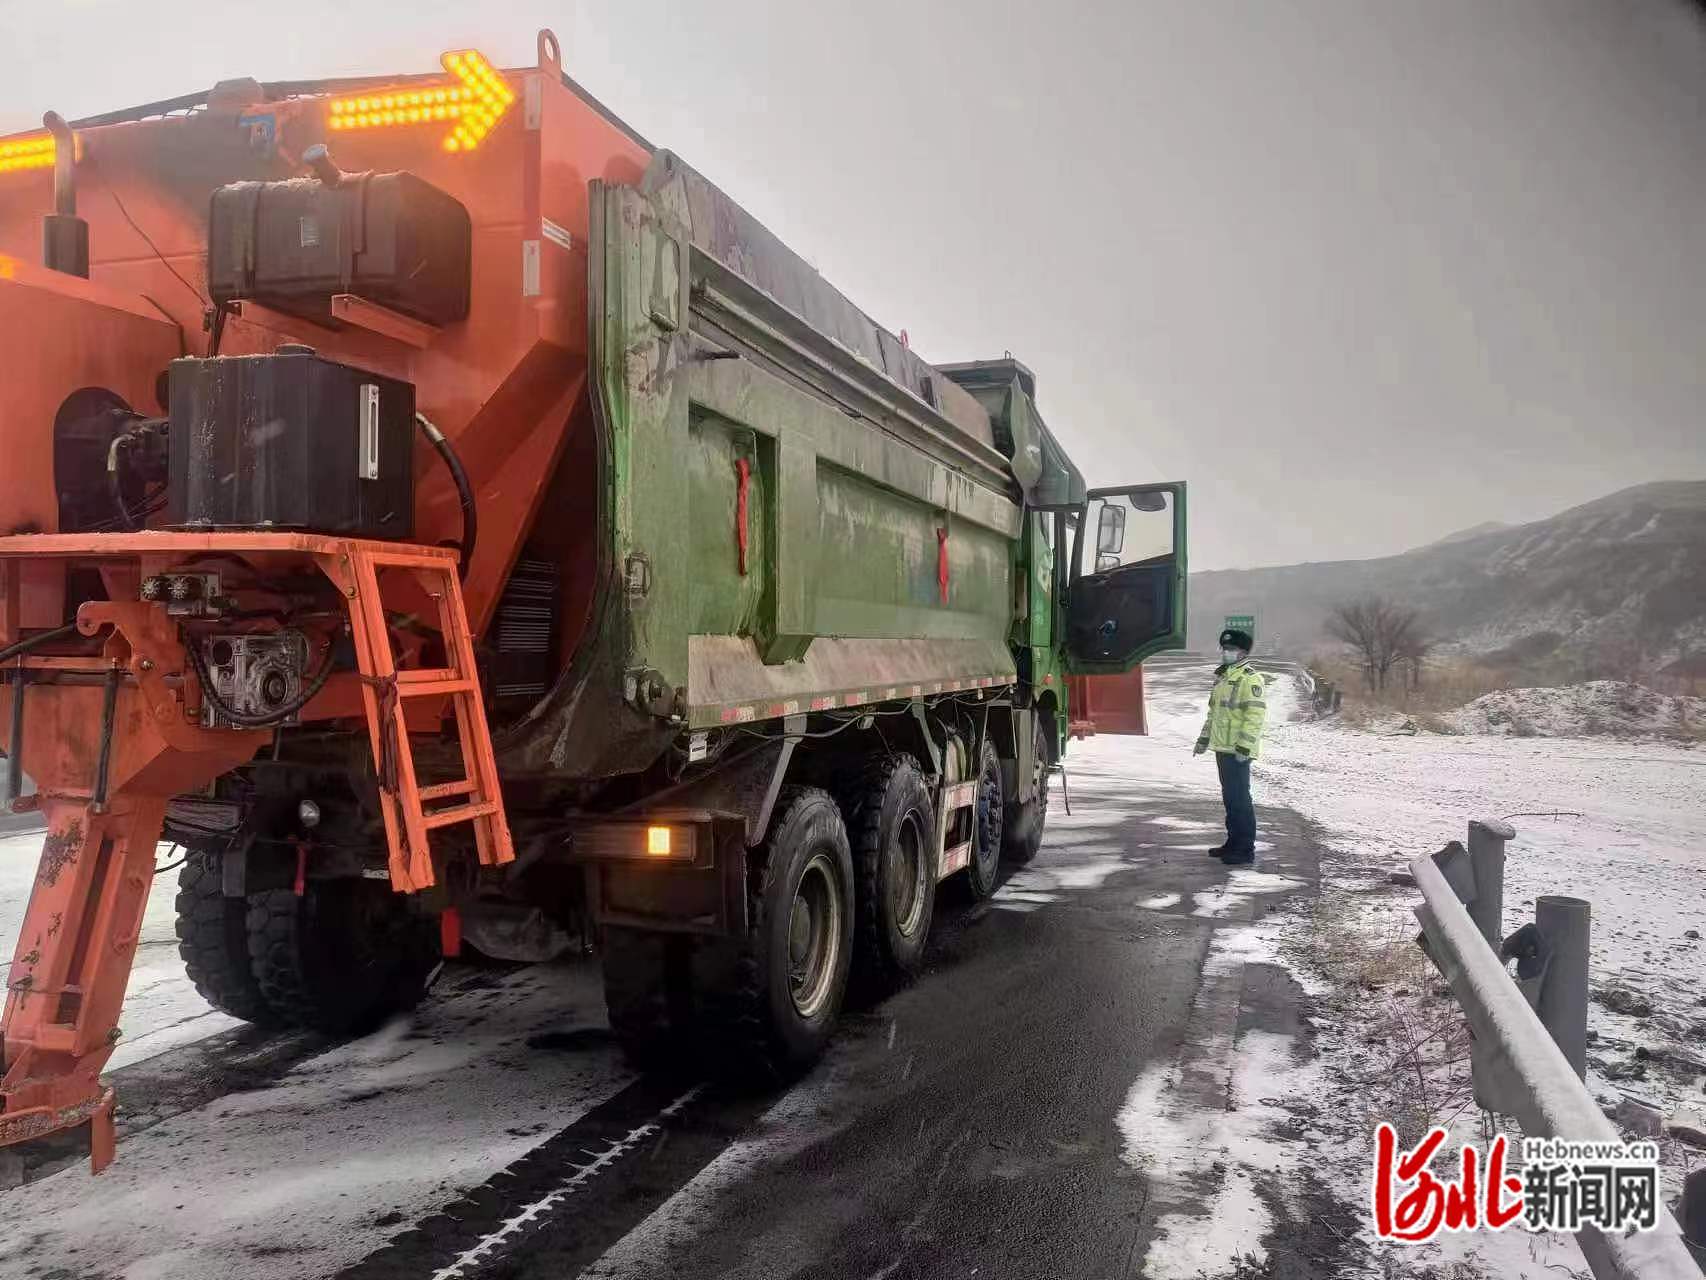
[(1127, 529)]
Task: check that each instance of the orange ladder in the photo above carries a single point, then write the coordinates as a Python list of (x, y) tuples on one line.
[(407, 806), (957, 797)]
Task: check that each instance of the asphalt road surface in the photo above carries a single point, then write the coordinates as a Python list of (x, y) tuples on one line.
[(976, 1123)]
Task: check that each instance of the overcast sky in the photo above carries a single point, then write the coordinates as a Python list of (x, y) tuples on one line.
[(1363, 273)]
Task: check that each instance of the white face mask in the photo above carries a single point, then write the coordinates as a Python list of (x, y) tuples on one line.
[(1229, 656)]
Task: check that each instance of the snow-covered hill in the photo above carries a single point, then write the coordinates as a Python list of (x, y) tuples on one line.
[(1622, 577)]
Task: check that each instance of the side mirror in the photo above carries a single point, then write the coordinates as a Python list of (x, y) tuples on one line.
[(1105, 562), (1148, 501), (1110, 533)]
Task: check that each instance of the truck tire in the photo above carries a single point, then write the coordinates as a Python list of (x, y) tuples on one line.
[(648, 996), (213, 940), (770, 1001), (342, 957), (1022, 822), (891, 828), (985, 865)]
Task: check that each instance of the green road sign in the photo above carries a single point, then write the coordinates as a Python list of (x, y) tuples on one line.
[(1241, 622)]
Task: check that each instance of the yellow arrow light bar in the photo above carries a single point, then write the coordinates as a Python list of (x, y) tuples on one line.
[(473, 105), (33, 152), (491, 98)]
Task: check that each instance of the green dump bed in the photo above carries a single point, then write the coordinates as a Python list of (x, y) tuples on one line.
[(797, 512)]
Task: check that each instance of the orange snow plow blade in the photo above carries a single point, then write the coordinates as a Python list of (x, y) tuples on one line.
[(68, 977), (111, 737)]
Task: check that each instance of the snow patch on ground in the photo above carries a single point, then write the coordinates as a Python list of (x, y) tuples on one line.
[(1028, 889), (1239, 1139), (1210, 1129), (1233, 897), (1613, 707), (345, 1150)]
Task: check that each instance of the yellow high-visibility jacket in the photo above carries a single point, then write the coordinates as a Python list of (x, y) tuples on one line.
[(1236, 710)]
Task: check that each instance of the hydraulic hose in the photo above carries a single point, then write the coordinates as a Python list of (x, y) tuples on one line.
[(464, 490), (46, 637), (115, 481)]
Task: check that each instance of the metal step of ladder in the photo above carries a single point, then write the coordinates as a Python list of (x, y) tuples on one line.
[(956, 797), (408, 807)]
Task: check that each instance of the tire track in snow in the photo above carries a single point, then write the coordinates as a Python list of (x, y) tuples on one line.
[(616, 1164), (469, 1259)]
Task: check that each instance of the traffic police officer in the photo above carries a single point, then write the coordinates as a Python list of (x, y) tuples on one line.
[(1233, 731)]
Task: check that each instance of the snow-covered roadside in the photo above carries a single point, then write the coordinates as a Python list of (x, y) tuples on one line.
[(1591, 709), (1633, 843), (1630, 838), (1216, 1171)]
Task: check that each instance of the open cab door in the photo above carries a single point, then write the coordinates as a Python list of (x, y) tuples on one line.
[(1126, 600)]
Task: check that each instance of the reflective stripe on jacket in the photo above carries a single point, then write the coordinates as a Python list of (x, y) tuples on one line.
[(1236, 710)]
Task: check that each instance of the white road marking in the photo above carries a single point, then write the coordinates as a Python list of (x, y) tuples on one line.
[(564, 1189)]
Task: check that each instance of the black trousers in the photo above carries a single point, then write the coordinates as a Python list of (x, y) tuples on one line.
[(1235, 795)]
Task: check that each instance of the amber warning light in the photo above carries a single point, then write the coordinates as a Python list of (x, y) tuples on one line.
[(676, 842), (33, 152), (472, 105)]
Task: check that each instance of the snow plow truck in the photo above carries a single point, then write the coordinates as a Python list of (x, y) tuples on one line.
[(456, 522)]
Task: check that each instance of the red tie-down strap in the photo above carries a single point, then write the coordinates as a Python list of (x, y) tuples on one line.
[(942, 561), (743, 469)]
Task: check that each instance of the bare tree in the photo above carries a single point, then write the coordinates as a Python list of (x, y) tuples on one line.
[(1412, 644), (1381, 634), (1353, 624)]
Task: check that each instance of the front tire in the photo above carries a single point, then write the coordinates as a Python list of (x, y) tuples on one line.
[(213, 940), (1022, 833), (891, 825), (340, 958)]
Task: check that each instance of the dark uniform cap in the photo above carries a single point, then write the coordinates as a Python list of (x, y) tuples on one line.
[(1234, 639)]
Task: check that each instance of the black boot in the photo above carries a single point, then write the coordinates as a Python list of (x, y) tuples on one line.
[(1219, 851), (1242, 858)]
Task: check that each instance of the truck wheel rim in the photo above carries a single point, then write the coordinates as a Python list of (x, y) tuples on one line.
[(814, 936), (906, 876)]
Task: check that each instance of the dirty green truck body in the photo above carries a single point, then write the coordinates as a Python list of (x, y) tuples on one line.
[(821, 556)]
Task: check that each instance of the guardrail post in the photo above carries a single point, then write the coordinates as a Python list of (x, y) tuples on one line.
[(1487, 838), (1563, 1006), (1497, 1085), (1545, 1091)]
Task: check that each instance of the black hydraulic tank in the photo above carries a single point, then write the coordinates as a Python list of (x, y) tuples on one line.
[(291, 441), (391, 238)]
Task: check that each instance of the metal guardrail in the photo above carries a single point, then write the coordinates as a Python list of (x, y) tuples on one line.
[(1529, 1057), (1285, 666)]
